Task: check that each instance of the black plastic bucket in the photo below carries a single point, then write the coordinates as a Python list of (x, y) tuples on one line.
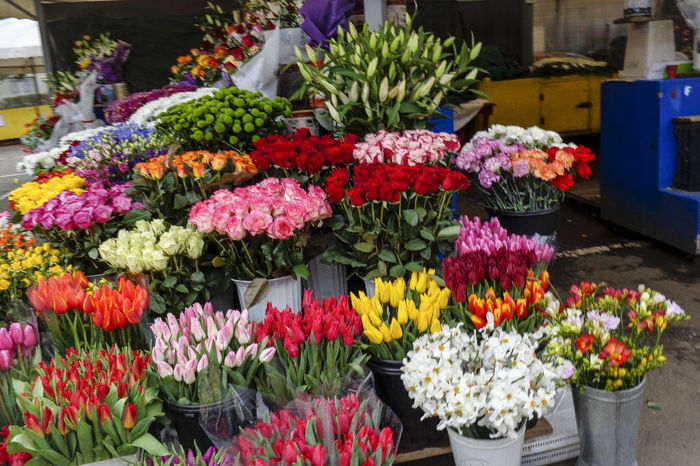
[(543, 222)]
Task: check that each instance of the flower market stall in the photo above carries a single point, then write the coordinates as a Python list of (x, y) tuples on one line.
[(193, 283)]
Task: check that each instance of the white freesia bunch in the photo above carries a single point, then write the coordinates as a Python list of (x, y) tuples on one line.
[(481, 387), (147, 114), (44, 160), (533, 137), (150, 246), (81, 135)]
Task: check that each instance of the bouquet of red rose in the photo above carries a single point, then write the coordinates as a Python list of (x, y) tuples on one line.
[(306, 158), (318, 350), (393, 218), (343, 431)]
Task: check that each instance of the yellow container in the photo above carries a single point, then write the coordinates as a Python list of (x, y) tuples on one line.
[(566, 104), (13, 121)]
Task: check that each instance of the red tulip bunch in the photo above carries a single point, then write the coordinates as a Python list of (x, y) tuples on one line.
[(81, 315), (316, 349), (340, 431), (302, 156), (88, 406)]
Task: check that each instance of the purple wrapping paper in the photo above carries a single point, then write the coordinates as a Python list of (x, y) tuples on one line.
[(109, 70), (322, 18)]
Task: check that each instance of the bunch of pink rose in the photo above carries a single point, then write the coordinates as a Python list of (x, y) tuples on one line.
[(266, 223), (16, 353), (342, 431), (201, 340), (411, 147)]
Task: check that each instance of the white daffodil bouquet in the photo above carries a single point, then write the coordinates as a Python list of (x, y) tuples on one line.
[(483, 386)]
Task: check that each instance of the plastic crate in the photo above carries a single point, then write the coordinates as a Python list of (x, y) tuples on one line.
[(687, 130), (562, 443)]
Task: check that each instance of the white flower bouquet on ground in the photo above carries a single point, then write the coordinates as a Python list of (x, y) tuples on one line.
[(480, 387)]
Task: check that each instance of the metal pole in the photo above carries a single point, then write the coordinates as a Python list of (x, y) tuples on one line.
[(41, 18)]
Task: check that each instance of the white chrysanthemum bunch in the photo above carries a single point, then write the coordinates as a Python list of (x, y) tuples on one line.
[(532, 138), (480, 387), (147, 114), (150, 246)]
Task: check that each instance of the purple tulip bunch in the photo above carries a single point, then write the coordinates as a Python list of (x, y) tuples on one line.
[(200, 340), (16, 342), (69, 211), (120, 110), (211, 457)]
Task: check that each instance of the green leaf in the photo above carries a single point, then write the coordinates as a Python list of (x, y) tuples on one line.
[(256, 292), (170, 281), (427, 234), (93, 253), (180, 201), (409, 107), (133, 216), (653, 405), (181, 288), (151, 445), (397, 271), (218, 262), (411, 217), (363, 246), (84, 431), (415, 245), (302, 271), (449, 233), (387, 255), (414, 267), (197, 277)]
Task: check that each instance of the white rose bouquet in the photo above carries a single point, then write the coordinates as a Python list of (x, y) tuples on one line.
[(169, 254), (483, 386)]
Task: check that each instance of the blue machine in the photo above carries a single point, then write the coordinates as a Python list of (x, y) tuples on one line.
[(638, 160)]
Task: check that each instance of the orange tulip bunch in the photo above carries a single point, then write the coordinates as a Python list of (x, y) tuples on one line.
[(82, 315)]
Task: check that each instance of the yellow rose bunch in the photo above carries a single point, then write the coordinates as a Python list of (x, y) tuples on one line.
[(398, 313), (19, 268), (34, 194)]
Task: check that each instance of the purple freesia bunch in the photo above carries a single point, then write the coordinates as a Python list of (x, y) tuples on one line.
[(119, 111), (211, 457), (490, 236), (69, 211)]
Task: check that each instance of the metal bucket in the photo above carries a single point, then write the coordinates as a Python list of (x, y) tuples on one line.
[(608, 425)]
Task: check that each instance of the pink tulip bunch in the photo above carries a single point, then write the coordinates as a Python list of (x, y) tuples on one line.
[(17, 342), (411, 147), (16, 352), (202, 340), (489, 236), (270, 215)]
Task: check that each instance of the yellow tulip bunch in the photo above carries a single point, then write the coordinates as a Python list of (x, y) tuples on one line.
[(34, 194), (397, 314), (21, 267)]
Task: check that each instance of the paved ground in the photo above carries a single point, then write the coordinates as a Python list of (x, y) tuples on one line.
[(590, 249), (9, 156)]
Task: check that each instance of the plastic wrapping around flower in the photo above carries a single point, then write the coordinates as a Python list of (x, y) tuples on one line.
[(88, 406), (481, 386), (316, 349), (397, 314), (506, 162), (121, 110), (203, 344), (36, 193), (264, 227), (392, 218), (307, 158), (322, 431), (39, 132), (610, 338), (111, 154), (227, 119), (410, 147), (80, 314)]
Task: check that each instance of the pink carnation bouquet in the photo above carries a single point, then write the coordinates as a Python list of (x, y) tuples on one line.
[(263, 229), (411, 147)]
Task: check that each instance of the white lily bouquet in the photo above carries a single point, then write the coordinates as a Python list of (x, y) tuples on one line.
[(482, 387)]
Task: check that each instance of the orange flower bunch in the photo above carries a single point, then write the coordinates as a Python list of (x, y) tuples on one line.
[(11, 239), (524, 313), (195, 163), (116, 308), (542, 167)]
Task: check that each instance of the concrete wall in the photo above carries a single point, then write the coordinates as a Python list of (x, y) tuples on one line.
[(575, 25)]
